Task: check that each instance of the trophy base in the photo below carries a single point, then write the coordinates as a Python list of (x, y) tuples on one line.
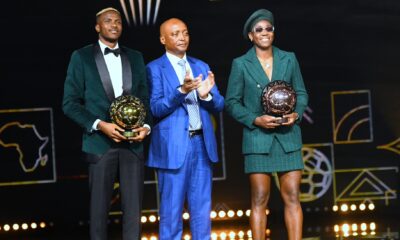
[(129, 134), (282, 120)]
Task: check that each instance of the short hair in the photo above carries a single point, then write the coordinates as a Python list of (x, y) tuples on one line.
[(107, 10)]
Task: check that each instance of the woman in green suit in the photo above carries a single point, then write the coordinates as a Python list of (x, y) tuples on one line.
[(268, 146)]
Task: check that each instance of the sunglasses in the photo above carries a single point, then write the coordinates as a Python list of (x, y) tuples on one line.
[(260, 29)]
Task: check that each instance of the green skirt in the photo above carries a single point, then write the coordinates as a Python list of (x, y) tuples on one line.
[(276, 161)]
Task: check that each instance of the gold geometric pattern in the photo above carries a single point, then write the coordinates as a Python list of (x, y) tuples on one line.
[(392, 146), (366, 185), (352, 113)]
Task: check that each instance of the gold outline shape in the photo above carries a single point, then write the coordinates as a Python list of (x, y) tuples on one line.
[(390, 147)]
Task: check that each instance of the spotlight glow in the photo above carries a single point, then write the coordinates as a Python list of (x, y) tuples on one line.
[(213, 214), (362, 207), (354, 227), (336, 228), (372, 226), (239, 213), (186, 216), (42, 225), (231, 213), (248, 211), (15, 227), (143, 219), (186, 237), (249, 233), (344, 207), (221, 214), (24, 226), (371, 206), (335, 208), (222, 235), (6, 227), (34, 225), (353, 207), (345, 228), (363, 227), (152, 218)]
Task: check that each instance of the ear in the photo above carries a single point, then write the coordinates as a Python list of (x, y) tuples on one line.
[(250, 36), (97, 27), (162, 40)]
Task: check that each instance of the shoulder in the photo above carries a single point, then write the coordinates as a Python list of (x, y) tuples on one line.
[(156, 62), (132, 52), (283, 53), (196, 61), (84, 50)]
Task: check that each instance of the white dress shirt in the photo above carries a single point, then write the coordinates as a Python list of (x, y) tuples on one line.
[(114, 67)]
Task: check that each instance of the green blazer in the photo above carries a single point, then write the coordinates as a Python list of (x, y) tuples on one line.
[(243, 100), (88, 92)]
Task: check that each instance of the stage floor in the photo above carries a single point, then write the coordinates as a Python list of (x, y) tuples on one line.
[(321, 228)]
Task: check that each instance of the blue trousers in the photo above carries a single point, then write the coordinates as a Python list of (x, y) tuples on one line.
[(191, 182)]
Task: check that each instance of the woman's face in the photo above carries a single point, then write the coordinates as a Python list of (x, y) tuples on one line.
[(262, 34)]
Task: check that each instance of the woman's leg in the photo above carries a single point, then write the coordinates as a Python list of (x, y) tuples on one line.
[(260, 191), (290, 192)]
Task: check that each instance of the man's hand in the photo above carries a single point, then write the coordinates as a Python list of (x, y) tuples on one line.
[(292, 117), (206, 85), (266, 121), (141, 134), (111, 130), (190, 84)]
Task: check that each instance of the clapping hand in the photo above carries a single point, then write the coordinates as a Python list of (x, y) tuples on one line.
[(206, 85)]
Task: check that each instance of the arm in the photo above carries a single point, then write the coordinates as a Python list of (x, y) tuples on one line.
[(234, 97), (298, 85), (162, 104), (215, 103), (73, 100)]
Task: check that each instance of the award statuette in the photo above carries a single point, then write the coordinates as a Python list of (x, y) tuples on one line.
[(278, 98), (129, 113)]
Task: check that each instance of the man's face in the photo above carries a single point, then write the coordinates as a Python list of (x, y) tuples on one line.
[(262, 34), (175, 37), (109, 27)]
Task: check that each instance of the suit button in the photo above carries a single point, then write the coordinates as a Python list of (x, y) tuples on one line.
[(258, 85)]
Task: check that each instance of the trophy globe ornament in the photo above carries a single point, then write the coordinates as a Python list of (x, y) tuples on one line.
[(128, 112), (278, 99)]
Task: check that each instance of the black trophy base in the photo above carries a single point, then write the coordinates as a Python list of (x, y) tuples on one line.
[(281, 120)]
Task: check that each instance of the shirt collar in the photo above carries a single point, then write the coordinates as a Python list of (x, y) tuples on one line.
[(103, 46), (174, 59)]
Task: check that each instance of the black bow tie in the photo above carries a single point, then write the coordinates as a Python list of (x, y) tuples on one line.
[(116, 51)]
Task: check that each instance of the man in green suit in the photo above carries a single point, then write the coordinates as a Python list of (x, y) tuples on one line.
[(97, 74), (268, 145)]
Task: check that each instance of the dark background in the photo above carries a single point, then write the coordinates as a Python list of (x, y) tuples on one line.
[(341, 45)]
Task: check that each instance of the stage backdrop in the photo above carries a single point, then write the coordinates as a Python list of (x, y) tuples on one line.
[(348, 51)]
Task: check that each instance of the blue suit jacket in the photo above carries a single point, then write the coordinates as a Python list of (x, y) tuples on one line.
[(170, 136)]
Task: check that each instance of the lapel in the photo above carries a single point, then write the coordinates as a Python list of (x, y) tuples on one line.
[(169, 72), (280, 64), (103, 72), (256, 71), (195, 69), (126, 73)]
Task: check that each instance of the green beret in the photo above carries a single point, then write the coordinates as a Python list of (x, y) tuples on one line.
[(260, 14)]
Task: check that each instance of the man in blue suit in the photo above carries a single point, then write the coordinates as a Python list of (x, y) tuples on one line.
[(183, 146)]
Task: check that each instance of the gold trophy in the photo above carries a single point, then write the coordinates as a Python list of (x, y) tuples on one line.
[(128, 112)]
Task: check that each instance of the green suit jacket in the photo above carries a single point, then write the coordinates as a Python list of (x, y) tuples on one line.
[(243, 100), (88, 92)]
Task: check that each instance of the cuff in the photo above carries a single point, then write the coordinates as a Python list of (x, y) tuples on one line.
[(148, 127), (94, 126)]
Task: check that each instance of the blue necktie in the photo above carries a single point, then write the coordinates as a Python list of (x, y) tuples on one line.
[(191, 103)]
